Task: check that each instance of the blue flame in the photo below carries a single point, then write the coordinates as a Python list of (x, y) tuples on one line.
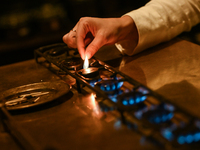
[(160, 118), (134, 99), (137, 100), (113, 87), (197, 137), (125, 102), (113, 98), (131, 101), (167, 133), (181, 140), (110, 86), (189, 138), (143, 98), (119, 85)]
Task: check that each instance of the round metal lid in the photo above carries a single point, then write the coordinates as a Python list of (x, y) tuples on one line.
[(33, 94)]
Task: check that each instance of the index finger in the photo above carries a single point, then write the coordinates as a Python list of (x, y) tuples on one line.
[(81, 35)]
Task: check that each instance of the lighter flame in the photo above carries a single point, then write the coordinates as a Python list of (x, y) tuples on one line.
[(86, 63)]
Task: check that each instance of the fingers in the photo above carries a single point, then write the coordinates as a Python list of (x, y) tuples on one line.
[(86, 34), (82, 39), (94, 46), (70, 39), (81, 46)]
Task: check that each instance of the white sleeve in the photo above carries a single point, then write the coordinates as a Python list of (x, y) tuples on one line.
[(159, 21)]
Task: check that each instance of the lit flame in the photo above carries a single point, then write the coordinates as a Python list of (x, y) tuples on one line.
[(86, 63)]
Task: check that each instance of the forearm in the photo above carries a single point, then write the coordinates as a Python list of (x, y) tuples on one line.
[(160, 21)]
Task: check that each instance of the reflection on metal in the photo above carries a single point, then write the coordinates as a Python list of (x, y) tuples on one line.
[(123, 62), (95, 105)]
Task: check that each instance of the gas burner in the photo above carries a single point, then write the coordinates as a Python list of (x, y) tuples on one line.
[(130, 99), (60, 51), (57, 51), (184, 136), (91, 72), (160, 114), (189, 138), (133, 99), (91, 75), (109, 85), (72, 63), (114, 94)]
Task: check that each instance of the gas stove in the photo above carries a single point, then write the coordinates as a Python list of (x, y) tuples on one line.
[(95, 108), (140, 108)]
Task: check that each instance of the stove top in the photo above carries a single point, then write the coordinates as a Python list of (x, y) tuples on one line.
[(140, 108), (96, 108)]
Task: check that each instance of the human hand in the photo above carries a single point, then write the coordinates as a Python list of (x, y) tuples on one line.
[(97, 32)]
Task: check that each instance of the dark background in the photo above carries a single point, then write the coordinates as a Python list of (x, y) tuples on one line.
[(27, 25)]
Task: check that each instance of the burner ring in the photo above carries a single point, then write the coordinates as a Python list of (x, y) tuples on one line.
[(110, 85), (73, 63), (57, 51), (89, 74)]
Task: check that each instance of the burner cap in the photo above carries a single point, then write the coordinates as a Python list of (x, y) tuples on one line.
[(89, 73), (57, 51), (73, 63)]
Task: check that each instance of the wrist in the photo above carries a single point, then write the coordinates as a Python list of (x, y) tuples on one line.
[(129, 27)]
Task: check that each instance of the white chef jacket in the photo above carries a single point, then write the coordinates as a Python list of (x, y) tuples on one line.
[(159, 21)]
